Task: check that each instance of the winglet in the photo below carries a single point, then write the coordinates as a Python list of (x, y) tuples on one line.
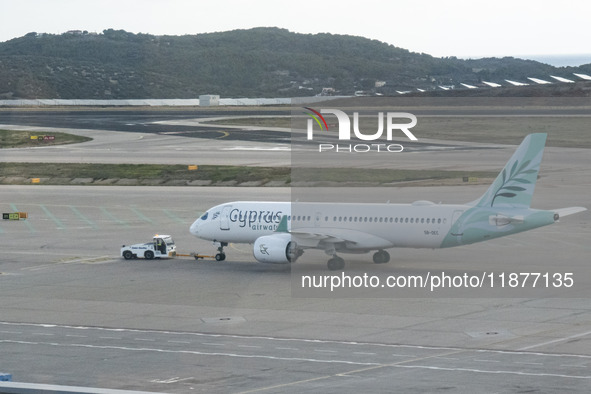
[(282, 227), (514, 186)]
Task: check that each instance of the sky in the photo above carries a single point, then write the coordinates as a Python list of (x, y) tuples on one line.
[(461, 28)]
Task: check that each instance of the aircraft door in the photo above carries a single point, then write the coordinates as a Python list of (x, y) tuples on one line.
[(225, 218), (457, 232), (317, 219)]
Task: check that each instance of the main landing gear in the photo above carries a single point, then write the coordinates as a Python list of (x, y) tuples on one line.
[(335, 263), (221, 256), (381, 257)]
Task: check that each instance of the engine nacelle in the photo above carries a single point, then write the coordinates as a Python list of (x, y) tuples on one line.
[(275, 249)]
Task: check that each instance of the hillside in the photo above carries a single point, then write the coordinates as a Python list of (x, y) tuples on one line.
[(260, 62)]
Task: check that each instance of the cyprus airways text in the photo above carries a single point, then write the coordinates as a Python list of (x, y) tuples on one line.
[(257, 220)]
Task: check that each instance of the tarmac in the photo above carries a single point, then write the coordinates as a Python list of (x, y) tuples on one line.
[(74, 313)]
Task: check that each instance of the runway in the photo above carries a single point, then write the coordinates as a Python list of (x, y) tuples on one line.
[(115, 141), (181, 137), (73, 312), (154, 137)]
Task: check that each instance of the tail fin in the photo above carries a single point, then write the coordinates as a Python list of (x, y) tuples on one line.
[(514, 186)]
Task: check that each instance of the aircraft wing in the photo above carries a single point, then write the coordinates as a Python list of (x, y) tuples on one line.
[(349, 239), (314, 237), (317, 236)]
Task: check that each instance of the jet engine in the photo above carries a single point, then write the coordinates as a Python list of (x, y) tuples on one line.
[(275, 249)]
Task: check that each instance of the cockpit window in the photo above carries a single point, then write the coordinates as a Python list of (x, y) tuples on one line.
[(204, 217)]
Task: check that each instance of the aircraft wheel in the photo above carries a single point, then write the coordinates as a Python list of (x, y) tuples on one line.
[(220, 257), (381, 257), (127, 255), (149, 255), (336, 263)]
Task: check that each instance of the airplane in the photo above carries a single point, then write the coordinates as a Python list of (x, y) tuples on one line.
[(282, 231)]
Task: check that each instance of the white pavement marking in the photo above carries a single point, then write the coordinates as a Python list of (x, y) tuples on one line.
[(555, 341), (171, 380), (495, 371), (192, 352)]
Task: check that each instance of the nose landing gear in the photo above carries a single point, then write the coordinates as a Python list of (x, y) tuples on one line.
[(221, 256)]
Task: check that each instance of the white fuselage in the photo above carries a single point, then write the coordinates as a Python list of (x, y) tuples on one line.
[(372, 226)]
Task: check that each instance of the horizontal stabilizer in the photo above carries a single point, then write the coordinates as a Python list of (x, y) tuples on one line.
[(568, 211), (502, 220)]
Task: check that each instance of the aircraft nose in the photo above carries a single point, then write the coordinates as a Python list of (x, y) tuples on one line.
[(195, 228)]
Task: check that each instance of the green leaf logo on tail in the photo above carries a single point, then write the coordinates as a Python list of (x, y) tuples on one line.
[(514, 186), (509, 186)]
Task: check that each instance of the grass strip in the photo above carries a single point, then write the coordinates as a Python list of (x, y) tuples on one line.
[(28, 139), (157, 174)]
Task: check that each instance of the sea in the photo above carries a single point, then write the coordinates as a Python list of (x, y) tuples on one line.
[(560, 60)]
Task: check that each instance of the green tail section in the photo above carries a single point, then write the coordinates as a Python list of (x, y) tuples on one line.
[(514, 186)]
